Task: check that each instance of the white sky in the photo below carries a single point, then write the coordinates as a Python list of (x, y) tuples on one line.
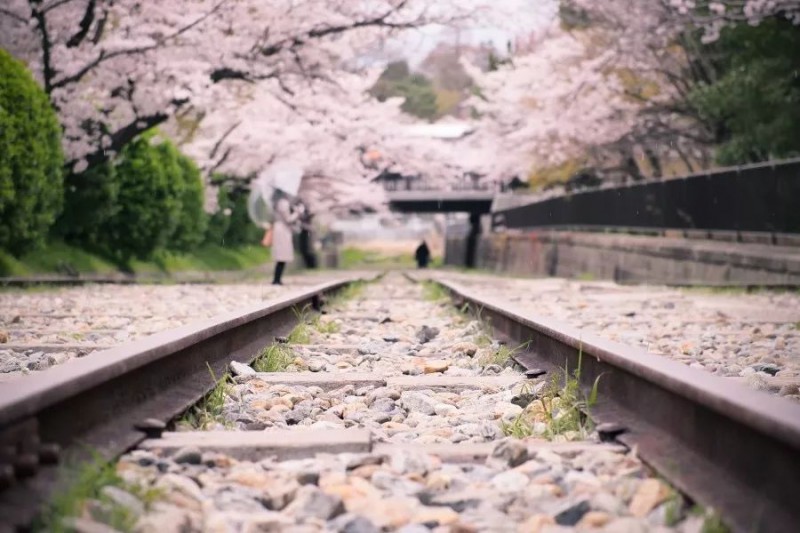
[(509, 19)]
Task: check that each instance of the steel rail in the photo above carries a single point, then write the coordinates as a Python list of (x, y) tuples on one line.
[(727, 447), (95, 404)]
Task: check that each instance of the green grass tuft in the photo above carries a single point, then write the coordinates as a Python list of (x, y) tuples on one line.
[(60, 258), (209, 410), (83, 482), (712, 523), (55, 258), (274, 358), (562, 406), (501, 355), (209, 258), (348, 292), (301, 334), (674, 509), (352, 257), (483, 340), (434, 292), (326, 327)]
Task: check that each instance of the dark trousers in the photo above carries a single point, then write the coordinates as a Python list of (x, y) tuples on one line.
[(304, 244), (279, 266)]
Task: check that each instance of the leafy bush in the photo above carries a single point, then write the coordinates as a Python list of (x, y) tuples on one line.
[(149, 200), (90, 201), (192, 219), (31, 160)]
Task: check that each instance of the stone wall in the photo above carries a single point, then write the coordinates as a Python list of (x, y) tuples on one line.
[(633, 258)]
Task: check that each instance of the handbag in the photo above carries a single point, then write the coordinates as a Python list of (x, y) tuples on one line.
[(267, 240)]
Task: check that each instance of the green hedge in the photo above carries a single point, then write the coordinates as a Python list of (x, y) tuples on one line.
[(91, 199), (31, 160), (192, 218), (150, 199)]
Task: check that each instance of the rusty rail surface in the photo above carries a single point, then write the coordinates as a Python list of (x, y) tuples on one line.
[(727, 447), (95, 404)]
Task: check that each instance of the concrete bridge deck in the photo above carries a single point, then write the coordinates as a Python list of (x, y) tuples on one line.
[(437, 201)]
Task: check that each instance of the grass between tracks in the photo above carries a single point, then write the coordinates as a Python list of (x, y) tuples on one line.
[(560, 410), (277, 357), (434, 292), (82, 495), (208, 411), (273, 358), (348, 292)]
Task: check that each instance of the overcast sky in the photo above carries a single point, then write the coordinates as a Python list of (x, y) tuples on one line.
[(520, 17)]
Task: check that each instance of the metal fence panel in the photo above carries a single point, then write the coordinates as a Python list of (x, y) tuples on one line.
[(763, 198)]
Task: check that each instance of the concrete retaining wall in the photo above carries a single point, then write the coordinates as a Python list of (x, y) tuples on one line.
[(633, 258)]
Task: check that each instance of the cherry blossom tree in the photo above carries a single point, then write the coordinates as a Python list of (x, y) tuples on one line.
[(611, 86), (115, 68), (551, 104), (713, 15)]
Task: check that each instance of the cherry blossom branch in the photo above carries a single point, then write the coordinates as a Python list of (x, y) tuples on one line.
[(124, 135), (12, 15), (380, 21), (55, 5), (221, 140), (85, 24), (104, 56), (48, 72)]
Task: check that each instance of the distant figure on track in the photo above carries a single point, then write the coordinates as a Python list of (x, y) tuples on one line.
[(282, 245), (422, 255)]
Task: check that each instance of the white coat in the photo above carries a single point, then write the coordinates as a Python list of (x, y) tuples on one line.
[(282, 245)]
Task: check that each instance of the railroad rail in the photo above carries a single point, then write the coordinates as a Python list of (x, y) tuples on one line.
[(98, 402), (732, 448), (725, 446)]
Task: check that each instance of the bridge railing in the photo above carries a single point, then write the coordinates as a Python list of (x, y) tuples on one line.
[(757, 198), (411, 184)]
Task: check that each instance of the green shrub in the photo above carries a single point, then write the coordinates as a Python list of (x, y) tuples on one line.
[(31, 160), (149, 200), (192, 219), (220, 221), (90, 201)]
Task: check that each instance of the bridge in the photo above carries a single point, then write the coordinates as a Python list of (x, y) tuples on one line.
[(438, 201), (471, 197)]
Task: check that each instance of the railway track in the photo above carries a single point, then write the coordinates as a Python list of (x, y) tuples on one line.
[(391, 412), (44, 328)]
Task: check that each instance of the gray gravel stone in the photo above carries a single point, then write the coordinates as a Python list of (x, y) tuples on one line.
[(124, 499), (188, 455), (310, 502), (241, 369), (414, 401)]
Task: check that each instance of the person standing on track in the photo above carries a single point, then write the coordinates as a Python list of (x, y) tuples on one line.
[(422, 255), (282, 228)]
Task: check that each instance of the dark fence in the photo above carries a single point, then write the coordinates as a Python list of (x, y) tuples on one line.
[(758, 198)]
